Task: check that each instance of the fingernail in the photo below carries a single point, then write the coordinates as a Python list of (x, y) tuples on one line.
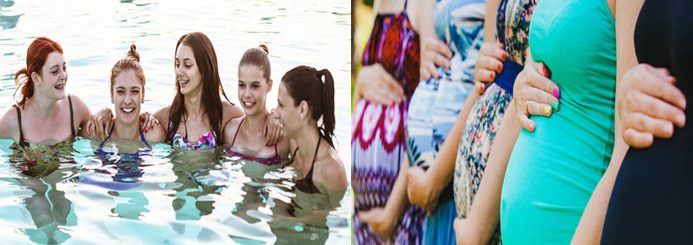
[(547, 73), (554, 105), (681, 119), (669, 129), (547, 109), (500, 67), (556, 93), (493, 76), (480, 89), (504, 55), (683, 102)]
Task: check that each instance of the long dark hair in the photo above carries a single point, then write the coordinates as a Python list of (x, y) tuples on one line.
[(206, 60), (305, 83)]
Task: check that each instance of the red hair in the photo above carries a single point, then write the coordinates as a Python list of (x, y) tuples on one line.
[(36, 57)]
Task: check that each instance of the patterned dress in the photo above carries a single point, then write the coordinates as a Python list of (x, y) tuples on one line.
[(377, 144), (437, 102), (512, 28)]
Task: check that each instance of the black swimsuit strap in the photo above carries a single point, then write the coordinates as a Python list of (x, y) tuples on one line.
[(19, 120), (237, 130), (72, 118), (309, 176)]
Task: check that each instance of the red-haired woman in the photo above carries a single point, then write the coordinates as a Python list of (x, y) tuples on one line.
[(44, 107)]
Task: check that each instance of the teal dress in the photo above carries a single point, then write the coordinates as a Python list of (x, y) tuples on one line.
[(553, 171)]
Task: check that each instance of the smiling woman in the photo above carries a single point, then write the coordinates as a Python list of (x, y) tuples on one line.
[(42, 105), (197, 111), (127, 95), (246, 135)]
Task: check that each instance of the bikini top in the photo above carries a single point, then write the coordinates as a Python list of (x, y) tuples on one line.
[(127, 163), (306, 184), (206, 142), (276, 158), (19, 120)]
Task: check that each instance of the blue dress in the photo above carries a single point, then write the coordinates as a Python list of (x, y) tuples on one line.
[(436, 103)]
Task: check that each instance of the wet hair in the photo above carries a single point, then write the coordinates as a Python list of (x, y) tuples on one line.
[(130, 61), (206, 59), (259, 57), (36, 57), (305, 83)]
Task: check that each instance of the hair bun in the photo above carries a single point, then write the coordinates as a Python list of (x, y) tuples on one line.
[(133, 52), (263, 47)]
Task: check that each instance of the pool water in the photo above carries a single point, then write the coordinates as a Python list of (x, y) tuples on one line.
[(168, 195)]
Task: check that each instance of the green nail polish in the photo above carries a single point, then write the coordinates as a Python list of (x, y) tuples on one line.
[(554, 105)]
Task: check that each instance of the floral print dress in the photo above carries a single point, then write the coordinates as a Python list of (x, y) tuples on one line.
[(512, 29)]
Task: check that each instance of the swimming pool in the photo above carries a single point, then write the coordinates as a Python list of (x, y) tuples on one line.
[(171, 196)]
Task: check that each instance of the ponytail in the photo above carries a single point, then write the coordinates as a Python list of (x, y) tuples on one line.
[(328, 118), (25, 86), (305, 83)]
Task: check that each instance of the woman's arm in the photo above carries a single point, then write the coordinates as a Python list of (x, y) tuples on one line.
[(589, 231), (484, 214), (383, 220), (424, 188)]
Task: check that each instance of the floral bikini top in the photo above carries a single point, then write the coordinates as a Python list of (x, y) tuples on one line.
[(206, 142)]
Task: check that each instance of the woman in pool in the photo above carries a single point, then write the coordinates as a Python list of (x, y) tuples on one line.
[(197, 111), (44, 106), (127, 141), (303, 99), (127, 94), (245, 136)]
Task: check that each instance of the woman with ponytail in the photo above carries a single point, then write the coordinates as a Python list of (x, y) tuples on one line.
[(245, 135), (43, 105), (306, 110)]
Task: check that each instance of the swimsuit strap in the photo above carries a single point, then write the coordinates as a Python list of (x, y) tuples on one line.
[(309, 176), (143, 139), (293, 156), (110, 132), (237, 130), (19, 120), (72, 118)]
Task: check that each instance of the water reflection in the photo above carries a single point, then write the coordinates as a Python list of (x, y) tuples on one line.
[(41, 172), (191, 197)]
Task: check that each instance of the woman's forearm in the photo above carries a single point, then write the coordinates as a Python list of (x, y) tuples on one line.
[(484, 214)]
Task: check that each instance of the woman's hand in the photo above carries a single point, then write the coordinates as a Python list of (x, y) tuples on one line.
[(489, 63), (147, 122), (534, 94), (378, 86), (98, 125), (273, 129), (434, 53), (649, 104), (380, 221), (420, 191)]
